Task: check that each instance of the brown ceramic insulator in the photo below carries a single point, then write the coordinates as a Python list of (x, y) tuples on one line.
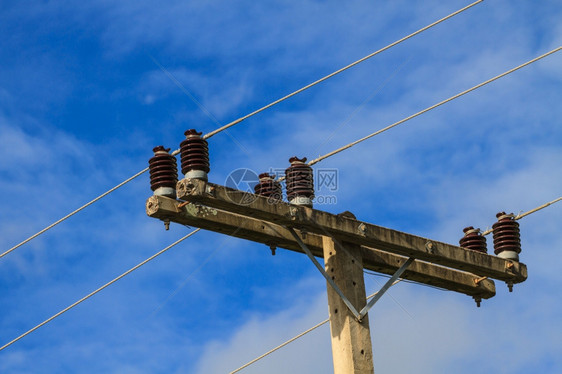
[(163, 169), (506, 234), (299, 179), (473, 240), (268, 187), (194, 153)]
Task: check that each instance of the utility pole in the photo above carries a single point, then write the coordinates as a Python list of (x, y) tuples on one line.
[(347, 245), (351, 339)]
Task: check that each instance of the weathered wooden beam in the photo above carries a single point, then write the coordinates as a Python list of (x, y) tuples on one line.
[(278, 236), (350, 230)]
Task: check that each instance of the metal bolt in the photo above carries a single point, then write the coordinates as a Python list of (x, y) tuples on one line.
[(478, 301), (509, 286), (430, 247), (167, 224), (293, 211), (363, 228), (478, 280), (273, 248)]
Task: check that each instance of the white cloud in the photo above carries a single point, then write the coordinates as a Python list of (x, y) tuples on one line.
[(218, 94), (262, 332)]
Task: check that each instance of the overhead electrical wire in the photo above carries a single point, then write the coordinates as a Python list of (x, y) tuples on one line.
[(341, 149), (339, 71), (295, 338), (74, 212), (362, 105), (521, 215), (98, 290), (208, 135), (312, 162)]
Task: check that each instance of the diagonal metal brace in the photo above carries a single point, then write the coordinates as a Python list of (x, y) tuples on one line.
[(385, 288), (330, 280)]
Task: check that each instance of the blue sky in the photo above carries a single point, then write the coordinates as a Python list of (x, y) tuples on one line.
[(82, 104)]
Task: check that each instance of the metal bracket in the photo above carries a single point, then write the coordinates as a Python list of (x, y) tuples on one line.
[(385, 288), (321, 269)]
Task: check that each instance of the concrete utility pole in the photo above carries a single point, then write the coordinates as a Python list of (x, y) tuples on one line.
[(351, 339), (347, 245)]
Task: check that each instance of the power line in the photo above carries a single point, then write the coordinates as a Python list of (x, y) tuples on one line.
[(281, 345), (312, 162), (294, 338), (338, 71), (519, 216), (74, 212), (369, 98), (177, 151), (98, 290), (334, 152)]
